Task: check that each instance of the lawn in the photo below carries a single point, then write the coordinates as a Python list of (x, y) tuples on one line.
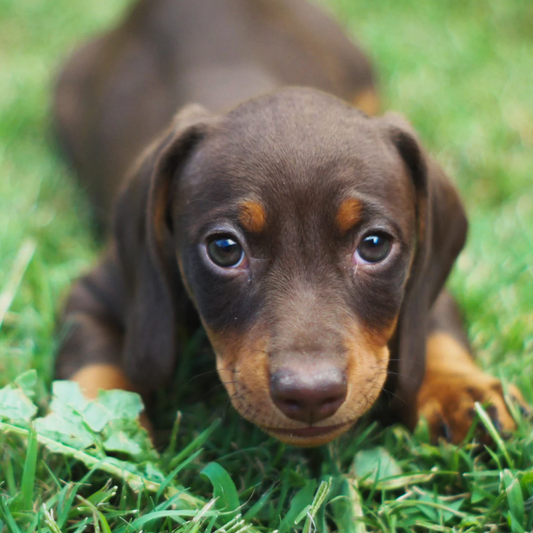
[(462, 71)]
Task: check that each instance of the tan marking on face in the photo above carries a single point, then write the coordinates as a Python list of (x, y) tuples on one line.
[(243, 366), (368, 360), (252, 216), (349, 214), (367, 101)]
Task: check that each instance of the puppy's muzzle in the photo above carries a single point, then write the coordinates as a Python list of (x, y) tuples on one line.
[(309, 392)]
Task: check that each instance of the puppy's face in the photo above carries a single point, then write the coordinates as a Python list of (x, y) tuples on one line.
[(295, 224)]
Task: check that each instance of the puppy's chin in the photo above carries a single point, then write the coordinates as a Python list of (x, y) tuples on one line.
[(309, 437)]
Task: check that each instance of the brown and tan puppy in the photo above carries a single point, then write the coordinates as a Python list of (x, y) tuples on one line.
[(311, 241)]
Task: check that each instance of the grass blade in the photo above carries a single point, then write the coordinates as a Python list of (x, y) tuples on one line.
[(100, 521), (166, 482), (179, 516), (62, 518), (301, 501), (49, 519), (224, 489), (320, 497), (20, 265), (195, 444), (493, 432), (256, 508), (515, 499), (28, 474), (347, 508), (7, 517)]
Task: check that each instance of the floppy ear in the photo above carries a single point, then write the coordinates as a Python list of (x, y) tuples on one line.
[(156, 300), (442, 229)]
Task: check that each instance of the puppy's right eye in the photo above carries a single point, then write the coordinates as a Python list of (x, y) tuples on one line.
[(225, 252)]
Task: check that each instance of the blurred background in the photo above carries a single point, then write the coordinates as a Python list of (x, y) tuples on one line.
[(460, 70)]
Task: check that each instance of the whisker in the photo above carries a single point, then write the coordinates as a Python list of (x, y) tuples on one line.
[(201, 375)]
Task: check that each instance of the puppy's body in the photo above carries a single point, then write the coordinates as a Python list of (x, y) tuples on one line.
[(312, 241), (118, 92)]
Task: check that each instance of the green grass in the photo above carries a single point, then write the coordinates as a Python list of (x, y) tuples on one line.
[(462, 71)]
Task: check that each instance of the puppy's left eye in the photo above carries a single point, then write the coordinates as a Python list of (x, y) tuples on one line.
[(225, 252), (374, 248)]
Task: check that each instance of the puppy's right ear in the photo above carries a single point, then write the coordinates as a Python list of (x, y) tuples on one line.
[(156, 300)]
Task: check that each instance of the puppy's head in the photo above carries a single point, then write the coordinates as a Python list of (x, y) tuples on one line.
[(299, 229)]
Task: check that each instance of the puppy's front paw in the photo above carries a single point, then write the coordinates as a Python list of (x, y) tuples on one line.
[(452, 386), (446, 400)]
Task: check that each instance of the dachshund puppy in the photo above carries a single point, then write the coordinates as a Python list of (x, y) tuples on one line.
[(310, 240)]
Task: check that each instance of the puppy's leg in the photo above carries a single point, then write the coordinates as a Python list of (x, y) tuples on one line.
[(453, 382), (93, 333), (90, 352)]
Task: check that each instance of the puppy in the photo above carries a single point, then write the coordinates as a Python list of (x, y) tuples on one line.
[(311, 241)]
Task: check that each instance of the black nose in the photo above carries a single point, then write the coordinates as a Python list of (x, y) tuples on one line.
[(308, 394)]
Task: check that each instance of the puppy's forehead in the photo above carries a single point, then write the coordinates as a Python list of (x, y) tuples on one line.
[(294, 148), (297, 133)]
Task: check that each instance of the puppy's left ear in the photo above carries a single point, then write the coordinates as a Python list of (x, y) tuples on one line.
[(442, 228), (156, 303)]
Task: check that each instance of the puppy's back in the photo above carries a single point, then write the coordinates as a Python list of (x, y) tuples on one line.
[(117, 92)]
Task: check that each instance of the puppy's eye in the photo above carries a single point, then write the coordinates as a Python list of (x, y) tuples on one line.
[(374, 248), (225, 251)]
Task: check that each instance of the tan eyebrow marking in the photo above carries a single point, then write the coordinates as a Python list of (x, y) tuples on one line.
[(367, 101), (349, 214), (252, 216)]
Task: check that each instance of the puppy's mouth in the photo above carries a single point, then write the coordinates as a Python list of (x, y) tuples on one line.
[(308, 436)]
